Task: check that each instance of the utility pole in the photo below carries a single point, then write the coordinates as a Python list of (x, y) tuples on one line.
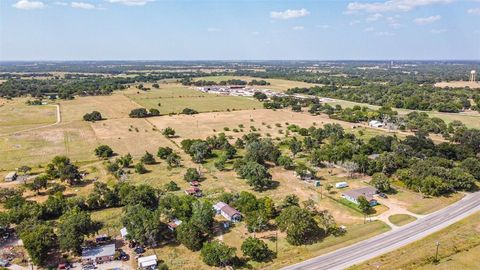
[(437, 243), (276, 243)]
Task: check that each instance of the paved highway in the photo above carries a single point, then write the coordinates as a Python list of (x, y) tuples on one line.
[(394, 239)]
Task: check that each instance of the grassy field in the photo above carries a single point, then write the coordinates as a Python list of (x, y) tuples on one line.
[(13, 112), (173, 98), (275, 84), (459, 246), (401, 219)]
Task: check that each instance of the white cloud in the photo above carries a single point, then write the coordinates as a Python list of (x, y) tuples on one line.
[(298, 27), (438, 31), (26, 4), (82, 5), (391, 5), (323, 26), (426, 20), (368, 29), (130, 2), (256, 33), (61, 4), (384, 34), (213, 29), (374, 17), (474, 11), (289, 14)]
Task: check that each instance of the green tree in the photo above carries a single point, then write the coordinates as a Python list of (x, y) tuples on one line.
[(164, 152), (173, 160), (39, 240), (24, 169), (140, 168), (171, 186), (190, 235), (125, 161), (40, 182), (364, 206), (103, 151), (168, 132), (199, 151), (295, 146), (286, 162), (381, 182), (256, 249), (93, 116), (143, 225), (472, 166), (148, 158), (73, 226), (139, 113), (192, 174), (153, 112), (256, 175), (300, 226), (217, 254)]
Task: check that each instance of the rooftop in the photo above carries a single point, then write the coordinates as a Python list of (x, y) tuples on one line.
[(100, 251), (366, 192)]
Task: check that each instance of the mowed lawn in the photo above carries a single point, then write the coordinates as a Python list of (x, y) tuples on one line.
[(173, 98), (275, 84), (15, 115), (459, 246)]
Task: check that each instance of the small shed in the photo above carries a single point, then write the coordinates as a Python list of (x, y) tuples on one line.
[(194, 191), (148, 262), (11, 176), (123, 232), (375, 123), (174, 224), (227, 211), (341, 185)]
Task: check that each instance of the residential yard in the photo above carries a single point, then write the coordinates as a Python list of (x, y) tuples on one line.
[(459, 246), (401, 219)]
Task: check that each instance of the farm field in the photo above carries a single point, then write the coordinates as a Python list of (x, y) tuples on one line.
[(173, 98), (15, 115), (275, 84), (458, 245), (455, 84)]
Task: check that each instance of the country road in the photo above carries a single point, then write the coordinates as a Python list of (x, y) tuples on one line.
[(394, 239)]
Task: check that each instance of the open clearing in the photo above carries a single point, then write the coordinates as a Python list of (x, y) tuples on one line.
[(173, 98), (275, 84), (457, 84), (458, 244), (15, 115)]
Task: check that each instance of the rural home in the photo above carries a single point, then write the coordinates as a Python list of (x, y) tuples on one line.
[(194, 191), (148, 262), (227, 212), (11, 176), (98, 254), (367, 192)]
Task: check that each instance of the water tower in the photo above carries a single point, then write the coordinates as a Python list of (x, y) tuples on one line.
[(473, 76)]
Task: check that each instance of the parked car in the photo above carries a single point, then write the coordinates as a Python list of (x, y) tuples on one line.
[(383, 195), (4, 263), (139, 250)]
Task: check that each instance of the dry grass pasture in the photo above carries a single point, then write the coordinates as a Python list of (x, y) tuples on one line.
[(275, 84), (15, 115), (458, 84), (173, 98)]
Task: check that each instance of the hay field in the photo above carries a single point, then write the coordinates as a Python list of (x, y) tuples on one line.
[(275, 84), (15, 115), (458, 84), (173, 98)]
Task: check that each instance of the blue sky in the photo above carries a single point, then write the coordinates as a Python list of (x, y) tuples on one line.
[(238, 30)]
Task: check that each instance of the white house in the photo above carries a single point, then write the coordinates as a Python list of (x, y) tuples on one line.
[(147, 262), (341, 185), (227, 211), (366, 192)]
